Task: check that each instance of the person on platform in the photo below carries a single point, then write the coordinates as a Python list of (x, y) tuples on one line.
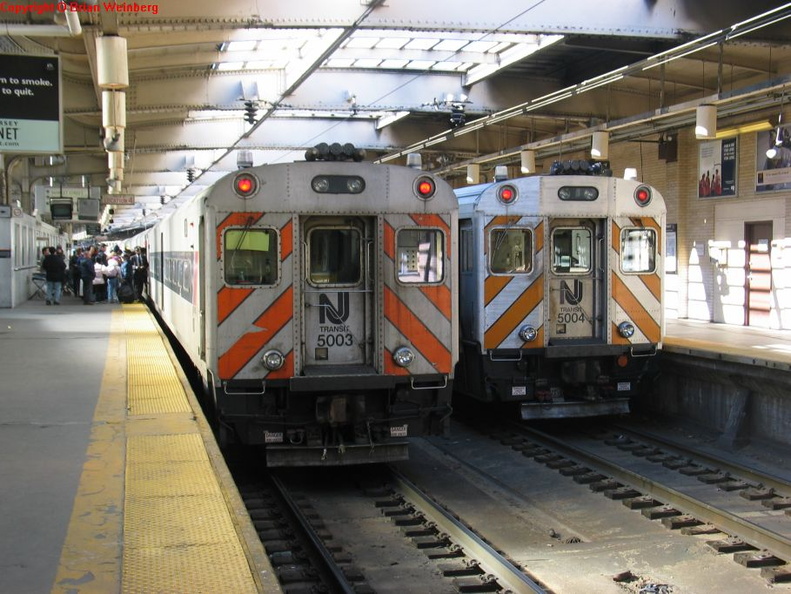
[(54, 268), (87, 274), (74, 271), (112, 274), (139, 271)]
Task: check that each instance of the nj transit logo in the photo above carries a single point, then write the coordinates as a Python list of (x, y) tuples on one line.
[(332, 313)]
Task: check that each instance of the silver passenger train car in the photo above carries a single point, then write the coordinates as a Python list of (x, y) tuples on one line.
[(318, 302), (561, 292)]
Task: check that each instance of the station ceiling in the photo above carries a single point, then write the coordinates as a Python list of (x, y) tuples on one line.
[(458, 82)]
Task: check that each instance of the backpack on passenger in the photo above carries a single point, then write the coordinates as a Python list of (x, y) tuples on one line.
[(126, 294)]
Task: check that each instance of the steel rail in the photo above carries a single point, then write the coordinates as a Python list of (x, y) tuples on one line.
[(779, 484), (507, 575), (730, 523)]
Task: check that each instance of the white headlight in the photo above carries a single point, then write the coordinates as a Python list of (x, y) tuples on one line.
[(273, 360), (403, 356), (626, 329), (528, 333)]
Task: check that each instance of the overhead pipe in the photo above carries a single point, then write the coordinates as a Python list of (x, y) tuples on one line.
[(72, 27)]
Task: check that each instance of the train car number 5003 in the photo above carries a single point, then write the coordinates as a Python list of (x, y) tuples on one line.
[(332, 339)]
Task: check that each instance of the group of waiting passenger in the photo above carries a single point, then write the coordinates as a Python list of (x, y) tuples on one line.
[(94, 273)]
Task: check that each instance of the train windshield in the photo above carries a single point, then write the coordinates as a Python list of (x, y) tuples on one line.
[(334, 256), (571, 250), (250, 256), (420, 255), (638, 250), (511, 251)]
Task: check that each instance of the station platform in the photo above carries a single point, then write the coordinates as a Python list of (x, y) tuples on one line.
[(739, 344), (110, 479)]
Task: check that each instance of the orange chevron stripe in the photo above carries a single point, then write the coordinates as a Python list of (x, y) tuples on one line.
[(416, 332), (493, 285), (654, 284), (234, 219), (439, 295), (615, 238), (508, 322), (389, 241), (538, 238), (634, 309), (271, 322), (286, 241), (503, 220), (228, 299), (430, 220)]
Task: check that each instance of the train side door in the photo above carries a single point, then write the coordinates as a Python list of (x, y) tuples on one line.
[(576, 279), (337, 292)]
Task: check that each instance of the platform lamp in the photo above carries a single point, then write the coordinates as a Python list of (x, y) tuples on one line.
[(706, 122), (528, 161), (600, 145)]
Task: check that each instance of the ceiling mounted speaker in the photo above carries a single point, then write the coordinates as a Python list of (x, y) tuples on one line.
[(706, 122), (473, 173), (112, 70), (600, 145), (528, 161)]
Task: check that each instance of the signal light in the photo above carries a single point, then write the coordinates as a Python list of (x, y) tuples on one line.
[(250, 111), (642, 195), (425, 187), (506, 194), (245, 185)]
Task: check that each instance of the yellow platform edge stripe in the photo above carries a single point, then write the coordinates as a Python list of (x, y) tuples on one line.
[(165, 475)]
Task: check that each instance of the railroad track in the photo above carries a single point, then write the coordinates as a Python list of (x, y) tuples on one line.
[(371, 530), (747, 513)]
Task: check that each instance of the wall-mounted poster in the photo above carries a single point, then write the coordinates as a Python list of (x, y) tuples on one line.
[(717, 168), (773, 161)]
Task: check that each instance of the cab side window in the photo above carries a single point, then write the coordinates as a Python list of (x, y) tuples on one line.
[(420, 255), (251, 256)]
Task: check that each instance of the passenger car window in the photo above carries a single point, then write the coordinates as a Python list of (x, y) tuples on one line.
[(571, 250), (420, 255), (511, 251), (638, 250), (251, 256), (334, 256)]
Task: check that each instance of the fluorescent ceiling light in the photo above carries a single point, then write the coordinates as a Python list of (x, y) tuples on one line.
[(421, 64), (392, 43), (422, 43), (367, 63), (358, 42), (241, 46), (744, 129), (450, 45), (447, 66)]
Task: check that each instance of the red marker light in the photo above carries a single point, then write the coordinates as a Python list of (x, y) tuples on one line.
[(425, 188), (506, 194), (245, 185), (642, 195)]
